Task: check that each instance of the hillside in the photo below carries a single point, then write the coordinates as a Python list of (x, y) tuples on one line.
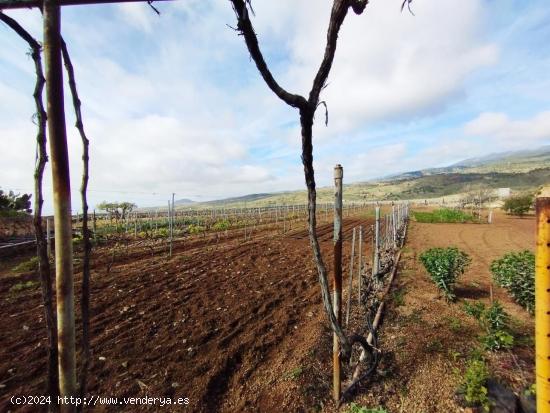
[(520, 171)]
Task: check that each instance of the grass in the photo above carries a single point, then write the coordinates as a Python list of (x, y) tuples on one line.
[(355, 408), (294, 373), (23, 286), (398, 297), (27, 266), (446, 215)]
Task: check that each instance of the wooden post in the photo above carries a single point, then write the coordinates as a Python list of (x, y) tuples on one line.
[(376, 249), (542, 302), (350, 285), (337, 281), (59, 157), (490, 217), (394, 226), (48, 239)]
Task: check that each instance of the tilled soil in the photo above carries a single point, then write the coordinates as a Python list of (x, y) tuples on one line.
[(238, 326), (225, 323)]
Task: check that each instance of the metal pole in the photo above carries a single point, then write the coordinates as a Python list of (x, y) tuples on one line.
[(59, 157), (542, 302), (337, 282)]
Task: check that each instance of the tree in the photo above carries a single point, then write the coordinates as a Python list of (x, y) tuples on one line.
[(518, 205), (306, 108), (126, 208), (11, 202)]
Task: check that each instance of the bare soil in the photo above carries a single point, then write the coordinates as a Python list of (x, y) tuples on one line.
[(238, 326)]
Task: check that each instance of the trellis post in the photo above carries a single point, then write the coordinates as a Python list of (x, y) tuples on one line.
[(59, 157), (337, 281)]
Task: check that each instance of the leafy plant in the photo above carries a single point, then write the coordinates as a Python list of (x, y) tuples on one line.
[(221, 225), (515, 271), (494, 320), (443, 215), (195, 229), (474, 384), (518, 205), (444, 266)]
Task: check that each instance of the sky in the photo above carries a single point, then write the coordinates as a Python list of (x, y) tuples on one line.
[(174, 104)]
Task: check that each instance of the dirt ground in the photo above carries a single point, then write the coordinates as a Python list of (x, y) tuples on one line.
[(426, 341), (238, 326)]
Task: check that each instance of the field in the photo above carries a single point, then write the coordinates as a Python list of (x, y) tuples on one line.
[(237, 325)]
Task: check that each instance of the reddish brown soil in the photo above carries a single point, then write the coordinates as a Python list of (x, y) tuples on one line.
[(427, 341), (222, 323), (238, 326)]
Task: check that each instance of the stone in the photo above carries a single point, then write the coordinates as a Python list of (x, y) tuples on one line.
[(502, 399)]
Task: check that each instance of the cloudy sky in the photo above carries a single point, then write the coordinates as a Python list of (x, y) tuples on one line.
[(173, 103)]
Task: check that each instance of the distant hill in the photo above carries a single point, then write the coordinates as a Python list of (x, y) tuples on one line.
[(184, 201), (520, 170)]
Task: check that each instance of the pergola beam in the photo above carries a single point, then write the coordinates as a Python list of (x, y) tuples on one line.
[(27, 4)]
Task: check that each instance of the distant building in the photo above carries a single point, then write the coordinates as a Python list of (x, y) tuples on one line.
[(502, 192)]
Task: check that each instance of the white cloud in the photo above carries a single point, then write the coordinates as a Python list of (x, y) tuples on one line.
[(499, 127), (388, 63)]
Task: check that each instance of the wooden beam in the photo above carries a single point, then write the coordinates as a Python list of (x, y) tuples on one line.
[(27, 4)]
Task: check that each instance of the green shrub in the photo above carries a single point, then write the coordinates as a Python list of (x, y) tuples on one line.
[(494, 320), (474, 384), (518, 205), (221, 225), (443, 215), (195, 229), (515, 271), (444, 266)]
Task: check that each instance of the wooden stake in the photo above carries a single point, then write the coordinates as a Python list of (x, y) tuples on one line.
[(337, 281), (376, 249), (350, 290), (360, 259)]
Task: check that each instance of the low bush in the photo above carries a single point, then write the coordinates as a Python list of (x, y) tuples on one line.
[(518, 205), (444, 215), (494, 320), (474, 384), (445, 265), (515, 271), (221, 225)]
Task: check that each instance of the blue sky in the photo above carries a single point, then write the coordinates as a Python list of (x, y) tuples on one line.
[(173, 103)]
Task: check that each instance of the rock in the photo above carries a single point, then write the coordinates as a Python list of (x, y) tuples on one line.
[(25, 327), (124, 364), (175, 384), (503, 400), (101, 358), (527, 404)]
